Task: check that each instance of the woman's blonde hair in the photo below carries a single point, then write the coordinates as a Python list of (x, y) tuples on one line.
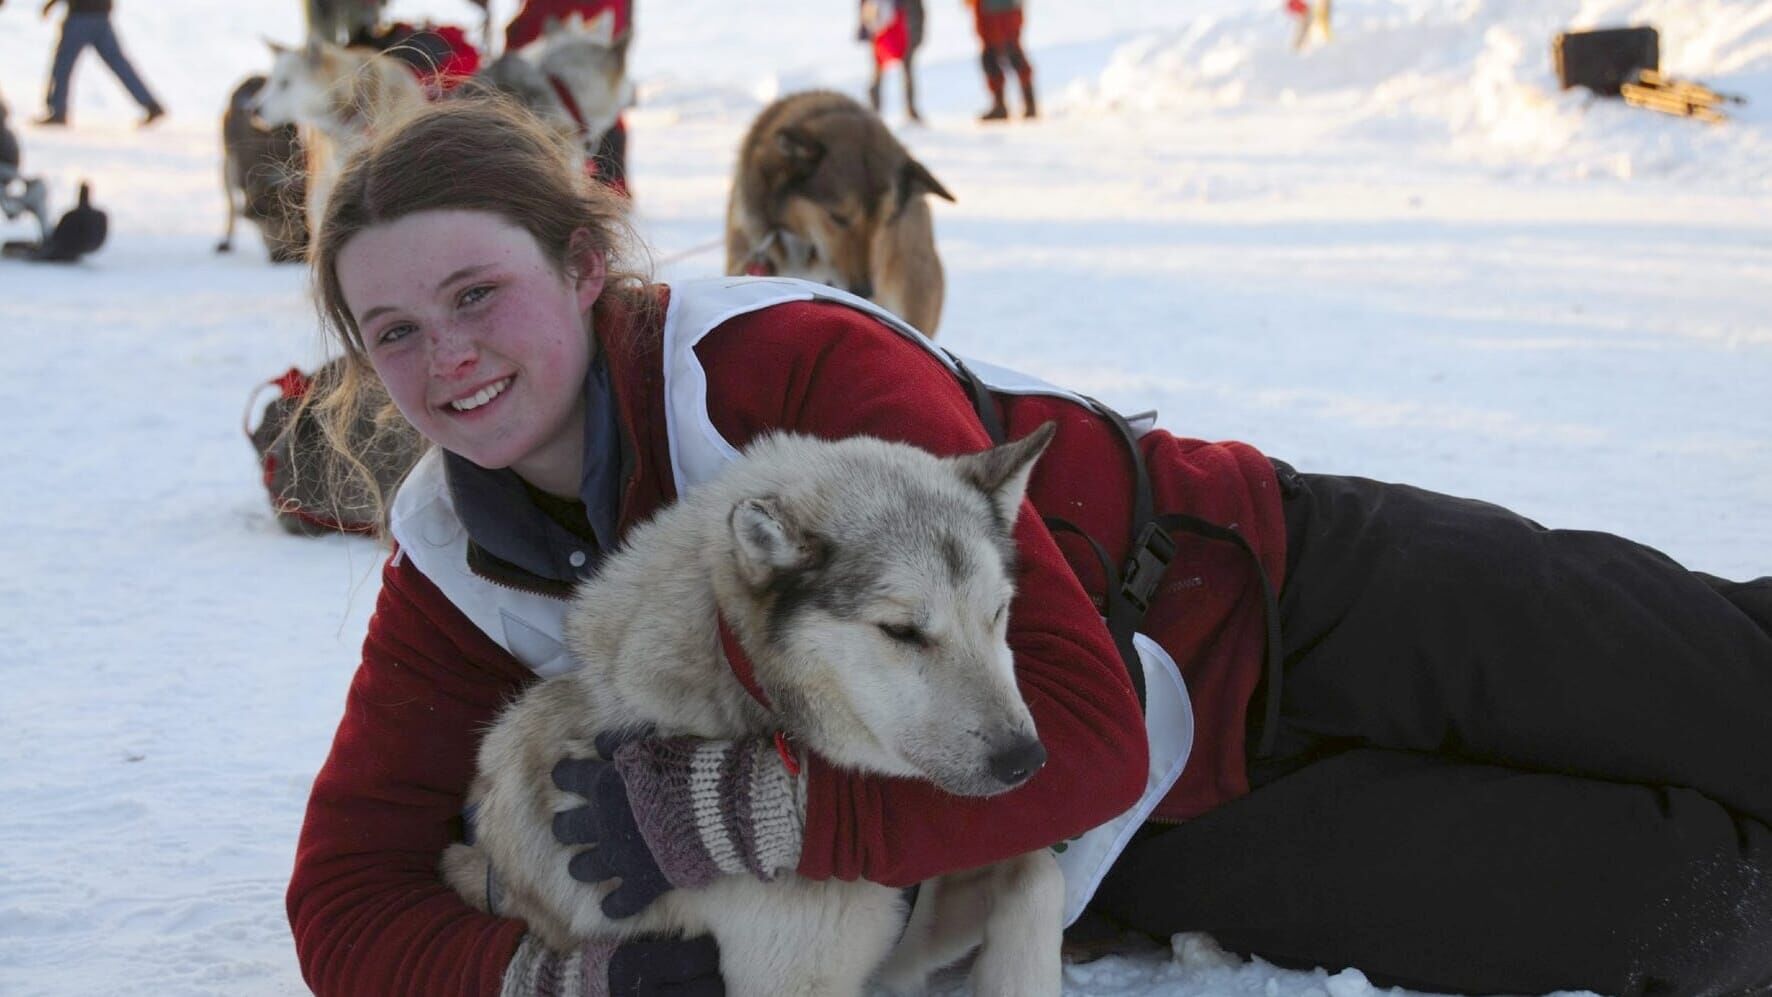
[(476, 154)]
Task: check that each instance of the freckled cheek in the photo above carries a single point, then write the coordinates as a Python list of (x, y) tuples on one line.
[(403, 374)]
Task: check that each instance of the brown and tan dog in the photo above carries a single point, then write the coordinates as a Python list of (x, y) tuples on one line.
[(823, 192), (262, 176)]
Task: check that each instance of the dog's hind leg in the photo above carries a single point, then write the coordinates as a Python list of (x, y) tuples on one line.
[(947, 923), (910, 89), (799, 938), (1024, 931), (227, 240)]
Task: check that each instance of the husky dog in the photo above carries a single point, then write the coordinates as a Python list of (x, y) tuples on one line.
[(514, 76), (575, 77), (262, 176), (823, 192), (339, 97), (587, 67), (820, 556)]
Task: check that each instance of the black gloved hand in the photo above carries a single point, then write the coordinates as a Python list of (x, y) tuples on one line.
[(666, 967), (617, 850)]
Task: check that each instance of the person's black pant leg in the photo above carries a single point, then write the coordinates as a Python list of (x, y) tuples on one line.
[(1509, 759), (1753, 598), (1441, 875), (1417, 621)]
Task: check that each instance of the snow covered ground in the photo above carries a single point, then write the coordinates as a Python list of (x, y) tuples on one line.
[(1404, 255)]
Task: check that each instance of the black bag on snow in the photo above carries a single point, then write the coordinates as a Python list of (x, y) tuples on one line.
[(1605, 60), (299, 468)]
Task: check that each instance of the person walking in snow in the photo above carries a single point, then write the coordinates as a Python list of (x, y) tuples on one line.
[(1312, 17), (998, 23), (88, 24), (894, 30), (1329, 720)]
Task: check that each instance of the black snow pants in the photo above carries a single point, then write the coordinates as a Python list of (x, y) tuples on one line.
[(1510, 760)]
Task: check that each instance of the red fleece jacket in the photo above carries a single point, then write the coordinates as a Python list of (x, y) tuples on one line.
[(368, 910)]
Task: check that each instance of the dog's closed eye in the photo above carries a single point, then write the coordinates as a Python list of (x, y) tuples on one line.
[(905, 634)]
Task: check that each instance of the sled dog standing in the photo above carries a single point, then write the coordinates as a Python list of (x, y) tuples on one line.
[(574, 77), (339, 97), (262, 177), (823, 192), (868, 584)]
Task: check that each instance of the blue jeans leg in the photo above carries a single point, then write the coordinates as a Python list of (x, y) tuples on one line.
[(106, 45), (77, 33)]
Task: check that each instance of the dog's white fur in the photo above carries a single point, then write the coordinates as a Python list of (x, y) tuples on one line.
[(340, 97), (587, 59), (592, 63), (873, 535)]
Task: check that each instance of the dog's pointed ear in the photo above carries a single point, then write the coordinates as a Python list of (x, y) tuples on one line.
[(599, 29), (314, 51), (769, 545), (914, 179), (276, 47), (1002, 472), (802, 150)]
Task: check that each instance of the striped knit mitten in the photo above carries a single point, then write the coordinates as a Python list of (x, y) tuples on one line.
[(713, 808), (687, 967)]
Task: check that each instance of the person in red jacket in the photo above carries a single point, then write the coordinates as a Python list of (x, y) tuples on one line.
[(893, 30), (1426, 737), (998, 23), (611, 155)]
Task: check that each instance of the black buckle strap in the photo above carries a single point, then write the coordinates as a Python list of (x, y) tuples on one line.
[(982, 402), (1127, 593), (1121, 616), (1150, 557), (1273, 654)]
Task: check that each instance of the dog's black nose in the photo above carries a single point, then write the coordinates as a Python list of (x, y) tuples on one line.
[(1014, 765), (862, 289)]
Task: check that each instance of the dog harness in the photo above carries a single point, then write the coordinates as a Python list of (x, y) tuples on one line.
[(1128, 589)]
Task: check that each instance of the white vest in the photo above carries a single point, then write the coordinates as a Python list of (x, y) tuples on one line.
[(529, 626)]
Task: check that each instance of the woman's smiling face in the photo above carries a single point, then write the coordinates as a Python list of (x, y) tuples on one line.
[(482, 341)]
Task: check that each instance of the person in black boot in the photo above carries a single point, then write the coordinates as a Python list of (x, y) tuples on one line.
[(88, 23), (999, 31)]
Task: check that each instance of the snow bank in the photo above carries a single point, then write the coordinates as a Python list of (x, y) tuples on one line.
[(1474, 78)]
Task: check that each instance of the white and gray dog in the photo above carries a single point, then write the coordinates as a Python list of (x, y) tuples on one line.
[(821, 556), (575, 77)]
